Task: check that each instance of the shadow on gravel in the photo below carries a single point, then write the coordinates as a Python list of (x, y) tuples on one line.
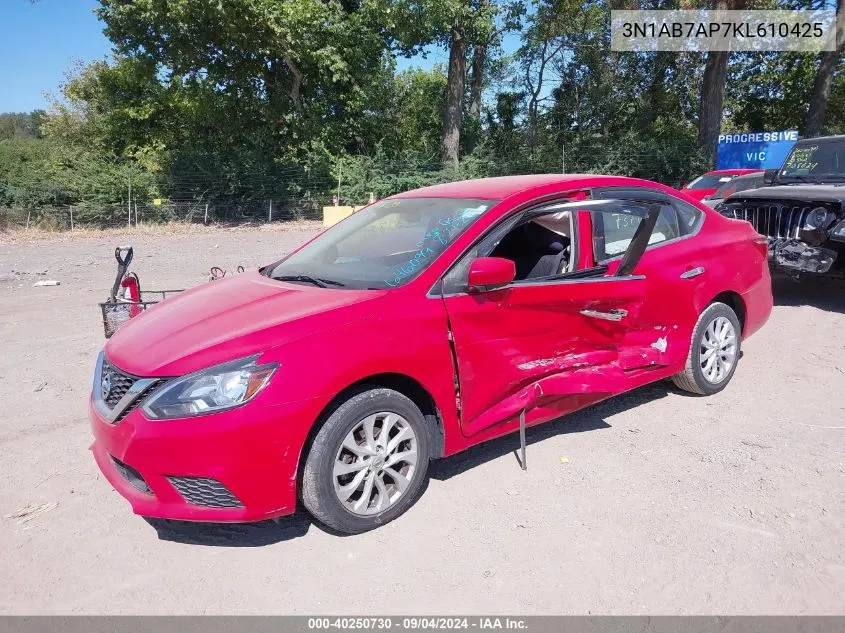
[(818, 292), (233, 534), (589, 419), (291, 527)]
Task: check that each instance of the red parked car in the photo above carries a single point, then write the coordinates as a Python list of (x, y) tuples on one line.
[(707, 184), (416, 328)]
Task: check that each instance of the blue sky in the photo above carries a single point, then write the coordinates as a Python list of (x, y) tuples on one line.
[(40, 42)]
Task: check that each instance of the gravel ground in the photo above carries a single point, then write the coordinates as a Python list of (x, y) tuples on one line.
[(668, 503)]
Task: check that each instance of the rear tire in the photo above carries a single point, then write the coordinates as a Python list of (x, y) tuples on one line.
[(714, 352), (368, 462)]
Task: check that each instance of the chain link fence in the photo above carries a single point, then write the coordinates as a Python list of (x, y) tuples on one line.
[(119, 215), (353, 181)]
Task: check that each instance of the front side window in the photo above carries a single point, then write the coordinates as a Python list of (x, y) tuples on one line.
[(541, 247), (385, 245), (613, 232)]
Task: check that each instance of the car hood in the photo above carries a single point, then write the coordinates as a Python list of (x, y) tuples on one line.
[(231, 318), (820, 193)]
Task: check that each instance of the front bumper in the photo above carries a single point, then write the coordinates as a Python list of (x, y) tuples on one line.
[(796, 256), (188, 466)]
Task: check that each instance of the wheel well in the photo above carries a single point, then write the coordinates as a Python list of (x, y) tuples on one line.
[(735, 303), (405, 385)]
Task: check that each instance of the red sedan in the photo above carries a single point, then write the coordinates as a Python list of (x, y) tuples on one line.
[(418, 327), (707, 184)]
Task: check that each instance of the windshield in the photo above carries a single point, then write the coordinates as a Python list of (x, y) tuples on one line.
[(709, 181), (738, 184), (382, 246), (820, 162)]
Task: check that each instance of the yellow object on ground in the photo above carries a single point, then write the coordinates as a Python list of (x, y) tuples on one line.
[(333, 215)]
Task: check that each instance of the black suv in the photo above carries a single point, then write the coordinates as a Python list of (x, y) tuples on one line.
[(801, 209)]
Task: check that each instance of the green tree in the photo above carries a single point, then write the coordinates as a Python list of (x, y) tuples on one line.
[(298, 73), (417, 109), (829, 64), (21, 124)]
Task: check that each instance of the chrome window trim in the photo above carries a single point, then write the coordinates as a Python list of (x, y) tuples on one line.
[(536, 206), (546, 282), (624, 193)]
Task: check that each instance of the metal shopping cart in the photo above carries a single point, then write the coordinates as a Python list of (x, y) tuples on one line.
[(126, 298)]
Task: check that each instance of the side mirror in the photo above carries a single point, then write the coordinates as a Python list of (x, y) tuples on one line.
[(769, 176), (490, 273)]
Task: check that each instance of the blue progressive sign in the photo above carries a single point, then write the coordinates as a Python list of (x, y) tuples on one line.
[(761, 150)]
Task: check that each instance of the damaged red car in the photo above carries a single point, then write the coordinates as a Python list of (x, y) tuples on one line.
[(420, 326)]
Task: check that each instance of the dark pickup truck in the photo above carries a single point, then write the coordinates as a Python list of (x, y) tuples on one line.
[(801, 209)]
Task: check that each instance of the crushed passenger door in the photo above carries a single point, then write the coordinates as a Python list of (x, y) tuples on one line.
[(545, 342)]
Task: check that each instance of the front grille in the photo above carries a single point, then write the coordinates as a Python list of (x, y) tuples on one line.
[(132, 476), (775, 220), (115, 384), (119, 381), (137, 401), (206, 492)]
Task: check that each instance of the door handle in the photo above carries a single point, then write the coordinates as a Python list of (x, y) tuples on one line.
[(693, 272), (616, 314)]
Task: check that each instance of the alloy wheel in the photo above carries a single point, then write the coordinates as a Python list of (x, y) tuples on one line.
[(717, 350), (375, 464)]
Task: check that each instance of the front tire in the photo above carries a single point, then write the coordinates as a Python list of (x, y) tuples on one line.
[(368, 462), (714, 351)]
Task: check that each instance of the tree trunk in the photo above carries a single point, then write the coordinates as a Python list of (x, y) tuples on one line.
[(713, 91), (663, 60), (451, 138), (814, 123), (712, 102), (479, 60)]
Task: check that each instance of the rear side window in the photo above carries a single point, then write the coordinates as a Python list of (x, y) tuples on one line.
[(724, 191), (709, 181), (688, 216), (736, 185), (612, 232)]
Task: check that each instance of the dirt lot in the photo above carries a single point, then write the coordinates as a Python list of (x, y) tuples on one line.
[(668, 503)]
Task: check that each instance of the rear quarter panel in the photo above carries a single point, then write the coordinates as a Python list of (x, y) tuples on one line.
[(734, 263)]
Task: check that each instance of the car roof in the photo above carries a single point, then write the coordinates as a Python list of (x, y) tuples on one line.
[(501, 187), (821, 140), (751, 176), (743, 171)]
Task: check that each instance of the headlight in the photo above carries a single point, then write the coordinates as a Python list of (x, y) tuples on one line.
[(819, 218), (839, 231), (214, 389)]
